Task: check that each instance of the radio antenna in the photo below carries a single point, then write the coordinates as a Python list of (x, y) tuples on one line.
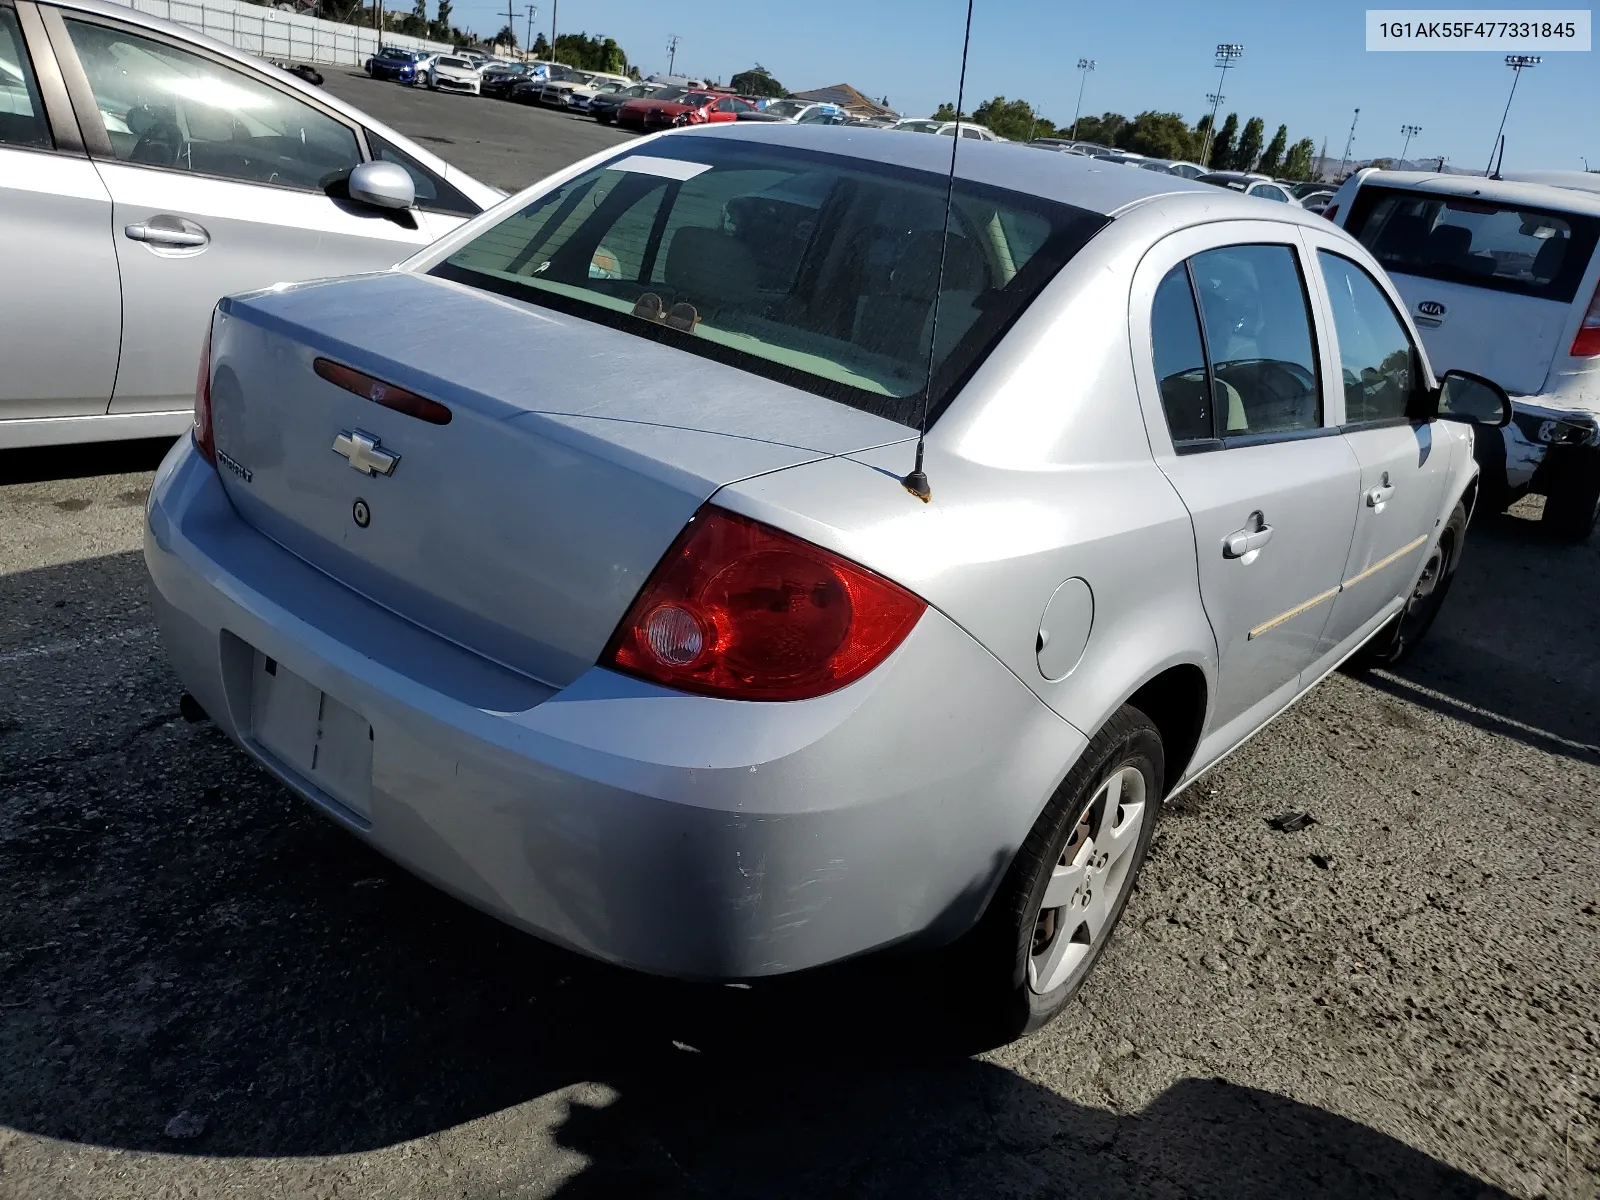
[(917, 482)]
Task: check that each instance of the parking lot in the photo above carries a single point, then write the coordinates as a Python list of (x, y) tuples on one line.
[(207, 990)]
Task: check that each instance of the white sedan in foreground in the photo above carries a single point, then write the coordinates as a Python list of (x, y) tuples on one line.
[(146, 171)]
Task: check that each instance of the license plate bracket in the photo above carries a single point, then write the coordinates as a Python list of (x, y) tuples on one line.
[(312, 733)]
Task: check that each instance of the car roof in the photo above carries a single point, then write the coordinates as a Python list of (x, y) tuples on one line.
[(1501, 191), (1087, 183), (479, 192)]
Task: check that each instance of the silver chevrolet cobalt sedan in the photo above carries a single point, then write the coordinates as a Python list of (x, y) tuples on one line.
[(579, 564)]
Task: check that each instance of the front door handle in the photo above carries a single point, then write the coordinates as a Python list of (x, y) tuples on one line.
[(172, 231), (1247, 541), (1379, 496)]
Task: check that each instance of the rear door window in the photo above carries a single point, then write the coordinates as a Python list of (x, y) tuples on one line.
[(1465, 239), (1259, 341)]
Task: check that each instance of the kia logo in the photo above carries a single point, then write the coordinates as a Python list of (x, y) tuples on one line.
[(1431, 308)]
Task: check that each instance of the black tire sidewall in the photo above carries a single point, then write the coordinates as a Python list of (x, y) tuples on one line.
[(1391, 647), (1002, 942)]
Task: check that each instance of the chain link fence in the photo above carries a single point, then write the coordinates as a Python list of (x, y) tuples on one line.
[(279, 35)]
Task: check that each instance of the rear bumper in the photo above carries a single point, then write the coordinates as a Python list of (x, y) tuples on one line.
[(676, 834)]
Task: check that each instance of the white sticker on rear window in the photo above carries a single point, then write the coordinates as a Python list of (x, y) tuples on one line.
[(666, 168)]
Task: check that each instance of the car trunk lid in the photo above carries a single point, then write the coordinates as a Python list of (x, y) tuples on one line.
[(523, 528)]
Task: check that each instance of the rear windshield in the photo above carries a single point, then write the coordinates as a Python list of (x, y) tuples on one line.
[(1465, 239), (817, 270)]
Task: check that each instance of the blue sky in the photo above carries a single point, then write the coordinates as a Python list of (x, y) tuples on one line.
[(1305, 64)]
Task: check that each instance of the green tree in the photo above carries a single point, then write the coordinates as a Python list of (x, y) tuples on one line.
[(1103, 130), (439, 27), (1249, 147), (946, 112), (541, 47), (1202, 127), (1297, 165), (1271, 162), (1159, 135), (757, 81), (1222, 145), (506, 37), (597, 53), (1013, 119)]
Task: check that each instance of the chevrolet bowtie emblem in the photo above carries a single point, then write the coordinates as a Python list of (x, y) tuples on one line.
[(364, 454)]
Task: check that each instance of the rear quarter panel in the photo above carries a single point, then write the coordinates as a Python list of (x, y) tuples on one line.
[(1041, 472)]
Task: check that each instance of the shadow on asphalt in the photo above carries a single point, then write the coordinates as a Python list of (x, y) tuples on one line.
[(216, 949), (40, 463), (179, 934), (1516, 649)]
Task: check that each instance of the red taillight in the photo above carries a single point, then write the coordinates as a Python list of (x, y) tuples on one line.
[(1331, 212), (379, 392), (742, 610), (1587, 343), (205, 439)]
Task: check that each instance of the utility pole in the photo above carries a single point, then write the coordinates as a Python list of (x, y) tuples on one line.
[(1085, 65), (555, 10), (377, 19), (1516, 62), (672, 52), (1228, 53), (1349, 142), (511, 21), (1410, 132), (532, 9), (1322, 159)]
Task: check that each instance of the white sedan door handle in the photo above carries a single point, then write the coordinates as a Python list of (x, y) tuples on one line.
[(1379, 496), (160, 235)]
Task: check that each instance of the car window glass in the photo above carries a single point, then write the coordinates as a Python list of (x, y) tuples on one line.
[(1267, 192), (842, 305), (167, 108), (433, 193), (726, 106), (1377, 361), (1180, 361), (22, 120), (1503, 246), (1257, 325)]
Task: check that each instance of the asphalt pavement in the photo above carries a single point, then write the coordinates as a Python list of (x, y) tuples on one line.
[(206, 990)]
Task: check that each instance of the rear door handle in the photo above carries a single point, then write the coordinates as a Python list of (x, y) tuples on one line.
[(1245, 541), (161, 235)]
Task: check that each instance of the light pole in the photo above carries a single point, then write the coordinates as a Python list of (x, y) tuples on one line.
[(672, 53), (1344, 163), (1516, 62), (1410, 131), (1085, 65), (1228, 53)]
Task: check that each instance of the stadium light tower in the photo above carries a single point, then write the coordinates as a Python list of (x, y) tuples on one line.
[(1410, 131), (1517, 62), (1228, 53), (1085, 65)]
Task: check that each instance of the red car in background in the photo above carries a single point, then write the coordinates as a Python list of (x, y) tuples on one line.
[(681, 106)]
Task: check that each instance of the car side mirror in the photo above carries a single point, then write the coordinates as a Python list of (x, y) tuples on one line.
[(1473, 400), (383, 185)]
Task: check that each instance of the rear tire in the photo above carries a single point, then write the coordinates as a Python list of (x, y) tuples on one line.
[(1572, 501), (1395, 642), (1025, 961)]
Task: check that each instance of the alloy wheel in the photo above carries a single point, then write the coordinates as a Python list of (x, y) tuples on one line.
[(1088, 880)]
